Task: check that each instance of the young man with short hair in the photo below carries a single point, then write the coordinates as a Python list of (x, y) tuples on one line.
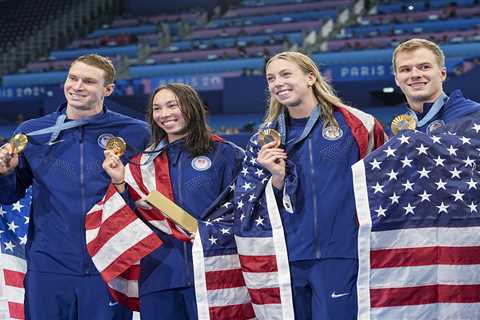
[(419, 67), (63, 164)]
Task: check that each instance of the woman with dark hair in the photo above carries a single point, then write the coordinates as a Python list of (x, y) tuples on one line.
[(194, 167)]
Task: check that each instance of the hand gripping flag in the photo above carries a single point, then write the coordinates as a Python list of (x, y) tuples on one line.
[(240, 256), (118, 238), (418, 206), (14, 221)]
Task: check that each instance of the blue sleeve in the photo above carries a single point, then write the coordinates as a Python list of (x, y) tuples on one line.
[(233, 156), (14, 185), (290, 187), (129, 201)]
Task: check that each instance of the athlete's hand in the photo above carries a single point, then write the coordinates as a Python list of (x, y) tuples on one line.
[(114, 167), (8, 159), (273, 159)]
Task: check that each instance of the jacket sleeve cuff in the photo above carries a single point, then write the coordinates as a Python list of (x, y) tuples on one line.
[(126, 196)]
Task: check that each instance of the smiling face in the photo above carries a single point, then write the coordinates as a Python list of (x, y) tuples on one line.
[(291, 87), (419, 76), (85, 90), (167, 114)]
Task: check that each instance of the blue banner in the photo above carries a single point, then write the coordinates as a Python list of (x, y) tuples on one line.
[(363, 72), (20, 93), (201, 82)]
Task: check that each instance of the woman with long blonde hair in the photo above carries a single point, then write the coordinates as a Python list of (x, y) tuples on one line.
[(320, 138)]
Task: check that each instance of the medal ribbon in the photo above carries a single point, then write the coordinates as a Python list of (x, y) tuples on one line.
[(59, 126), (432, 112), (314, 116)]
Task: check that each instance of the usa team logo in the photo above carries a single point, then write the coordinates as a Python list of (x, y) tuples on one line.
[(201, 163), (103, 139), (434, 126)]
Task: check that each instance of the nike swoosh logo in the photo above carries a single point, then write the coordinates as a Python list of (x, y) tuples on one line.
[(112, 303), (54, 142), (335, 295)]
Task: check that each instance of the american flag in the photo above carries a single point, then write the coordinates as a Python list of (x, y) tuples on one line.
[(14, 221), (118, 238), (240, 255), (419, 212)]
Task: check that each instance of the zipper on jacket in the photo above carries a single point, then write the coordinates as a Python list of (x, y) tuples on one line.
[(180, 201), (83, 192), (315, 202)]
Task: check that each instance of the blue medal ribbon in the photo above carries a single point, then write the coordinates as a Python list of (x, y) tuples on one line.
[(436, 107), (312, 120)]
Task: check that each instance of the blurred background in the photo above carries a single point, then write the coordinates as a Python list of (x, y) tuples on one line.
[(220, 48)]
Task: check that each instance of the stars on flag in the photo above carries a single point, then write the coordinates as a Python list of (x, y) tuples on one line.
[(17, 206), (390, 152), (427, 175), (375, 164)]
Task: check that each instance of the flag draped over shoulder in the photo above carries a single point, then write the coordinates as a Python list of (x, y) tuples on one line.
[(418, 206), (117, 237), (14, 221), (241, 269), (240, 255)]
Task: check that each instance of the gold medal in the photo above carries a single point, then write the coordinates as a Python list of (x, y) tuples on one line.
[(403, 122), (18, 142), (117, 145), (268, 135)]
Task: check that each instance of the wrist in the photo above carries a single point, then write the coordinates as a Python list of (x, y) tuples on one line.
[(278, 182)]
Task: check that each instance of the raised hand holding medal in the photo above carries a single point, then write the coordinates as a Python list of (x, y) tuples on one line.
[(113, 166), (271, 156), (9, 152)]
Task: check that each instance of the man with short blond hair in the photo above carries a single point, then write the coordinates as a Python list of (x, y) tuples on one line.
[(419, 68), (63, 164), (100, 62)]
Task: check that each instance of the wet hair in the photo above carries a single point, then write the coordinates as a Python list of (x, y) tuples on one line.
[(322, 90), (100, 62), (415, 44), (198, 134)]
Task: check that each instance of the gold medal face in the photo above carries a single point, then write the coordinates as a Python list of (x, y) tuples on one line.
[(18, 142), (269, 135), (403, 122), (117, 145)]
